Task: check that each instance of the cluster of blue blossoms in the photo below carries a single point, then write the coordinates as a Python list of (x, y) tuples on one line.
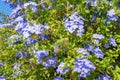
[(33, 4), (17, 70), (40, 55), (96, 50), (14, 39), (61, 70), (50, 62), (111, 15), (104, 77), (58, 78), (44, 59), (92, 2), (23, 25), (83, 66), (97, 37), (75, 24)]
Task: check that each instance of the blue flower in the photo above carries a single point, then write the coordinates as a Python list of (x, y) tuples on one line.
[(41, 54), (87, 1), (80, 32), (21, 25), (5, 25), (16, 66), (15, 12), (83, 66), (14, 39), (75, 23), (98, 52), (30, 41), (58, 78), (107, 45), (1, 64), (89, 47), (43, 36), (3, 77), (26, 34), (17, 73), (104, 77), (44, 5), (61, 70), (96, 41), (50, 62), (83, 51), (12, 5), (111, 15), (112, 42), (98, 36), (21, 54), (94, 17), (27, 30), (50, 7), (56, 48), (94, 3), (33, 4), (111, 12), (17, 19)]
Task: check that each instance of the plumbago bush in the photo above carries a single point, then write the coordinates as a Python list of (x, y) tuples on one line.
[(61, 40)]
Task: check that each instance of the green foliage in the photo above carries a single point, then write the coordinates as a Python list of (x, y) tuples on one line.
[(58, 36)]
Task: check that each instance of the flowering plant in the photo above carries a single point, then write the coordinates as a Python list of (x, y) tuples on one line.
[(61, 40)]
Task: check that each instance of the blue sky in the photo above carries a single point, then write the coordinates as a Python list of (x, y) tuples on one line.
[(5, 8)]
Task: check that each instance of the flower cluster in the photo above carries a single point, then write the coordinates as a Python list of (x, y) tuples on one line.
[(89, 47), (56, 48), (111, 15), (58, 78), (14, 39), (98, 52), (104, 77), (1, 64), (17, 71), (30, 41), (112, 42), (32, 36), (15, 74), (83, 66), (40, 55), (25, 27), (5, 25), (15, 12), (27, 30), (97, 37), (51, 62), (33, 4), (16, 66), (61, 69), (75, 23), (93, 2), (3, 77), (83, 51), (21, 54)]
